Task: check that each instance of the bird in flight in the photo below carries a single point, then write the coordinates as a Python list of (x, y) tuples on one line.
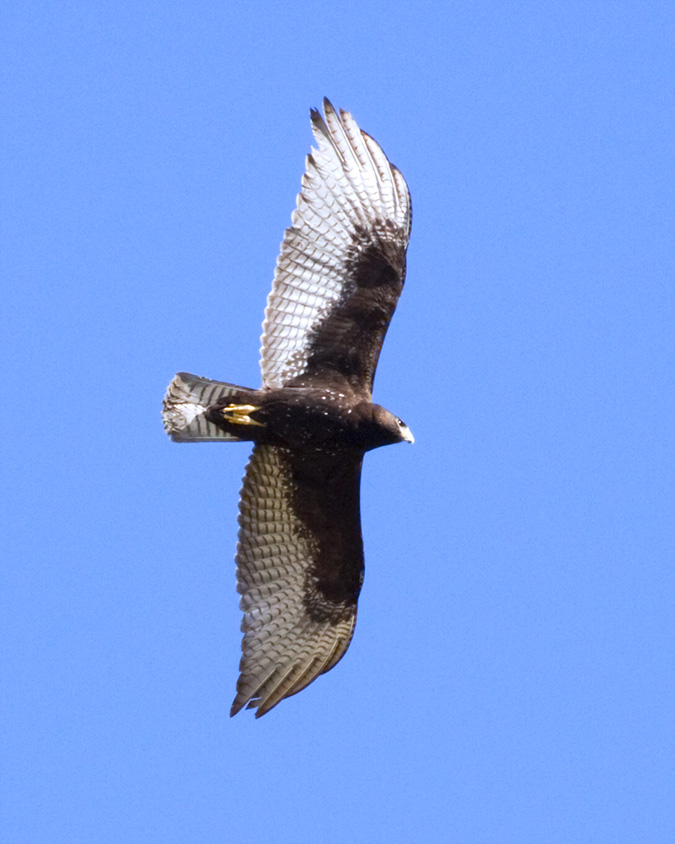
[(336, 285)]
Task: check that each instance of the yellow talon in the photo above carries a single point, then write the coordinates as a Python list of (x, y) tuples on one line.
[(238, 414)]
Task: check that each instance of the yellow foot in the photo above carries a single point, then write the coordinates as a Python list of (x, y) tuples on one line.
[(238, 414)]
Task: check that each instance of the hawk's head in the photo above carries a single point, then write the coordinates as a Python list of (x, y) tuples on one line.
[(390, 428)]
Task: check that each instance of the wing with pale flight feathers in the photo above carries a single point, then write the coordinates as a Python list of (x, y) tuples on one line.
[(299, 570), (342, 263)]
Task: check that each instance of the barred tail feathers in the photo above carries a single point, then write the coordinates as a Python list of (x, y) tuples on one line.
[(185, 403)]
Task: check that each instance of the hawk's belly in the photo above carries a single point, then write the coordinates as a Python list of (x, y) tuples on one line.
[(304, 420), (308, 423)]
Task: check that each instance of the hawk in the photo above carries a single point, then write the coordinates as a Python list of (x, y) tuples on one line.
[(337, 281)]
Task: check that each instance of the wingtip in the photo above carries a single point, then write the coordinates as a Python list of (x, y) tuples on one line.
[(240, 703), (254, 703), (319, 127), (329, 111)]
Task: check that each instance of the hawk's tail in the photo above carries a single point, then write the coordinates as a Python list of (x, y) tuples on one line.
[(185, 403)]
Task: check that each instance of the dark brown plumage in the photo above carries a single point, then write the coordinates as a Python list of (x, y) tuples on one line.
[(338, 279)]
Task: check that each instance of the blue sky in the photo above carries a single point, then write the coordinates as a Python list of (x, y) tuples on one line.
[(511, 678)]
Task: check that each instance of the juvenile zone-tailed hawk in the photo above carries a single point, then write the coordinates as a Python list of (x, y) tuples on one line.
[(337, 281)]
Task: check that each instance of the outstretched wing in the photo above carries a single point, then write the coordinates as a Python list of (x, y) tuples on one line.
[(299, 570), (342, 263)]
